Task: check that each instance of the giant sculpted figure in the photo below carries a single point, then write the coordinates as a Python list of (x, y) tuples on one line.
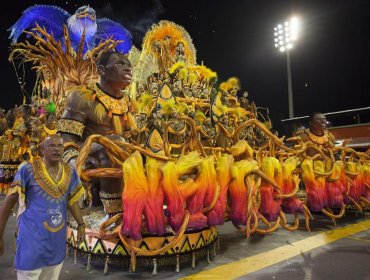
[(100, 108)]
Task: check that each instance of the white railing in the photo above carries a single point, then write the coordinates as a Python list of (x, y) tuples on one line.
[(330, 113)]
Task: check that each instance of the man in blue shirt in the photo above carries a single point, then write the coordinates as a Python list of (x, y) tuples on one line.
[(44, 189)]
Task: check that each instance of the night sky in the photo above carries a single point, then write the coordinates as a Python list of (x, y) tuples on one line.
[(330, 62)]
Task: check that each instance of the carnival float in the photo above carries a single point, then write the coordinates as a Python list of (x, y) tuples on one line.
[(198, 153)]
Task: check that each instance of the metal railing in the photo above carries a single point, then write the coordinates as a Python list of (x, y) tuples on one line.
[(330, 113)]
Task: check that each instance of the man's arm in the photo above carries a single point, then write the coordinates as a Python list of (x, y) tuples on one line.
[(72, 123), (77, 215), (5, 211)]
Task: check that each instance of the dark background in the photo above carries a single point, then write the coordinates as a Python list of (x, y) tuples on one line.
[(330, 62)]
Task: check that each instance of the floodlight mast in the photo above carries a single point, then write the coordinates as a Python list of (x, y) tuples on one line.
[(286, 35)]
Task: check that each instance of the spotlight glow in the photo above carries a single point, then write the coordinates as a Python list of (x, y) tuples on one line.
[(286, 34)]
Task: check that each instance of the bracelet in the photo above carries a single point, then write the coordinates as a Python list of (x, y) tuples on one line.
[(81, 225), (71, 127)]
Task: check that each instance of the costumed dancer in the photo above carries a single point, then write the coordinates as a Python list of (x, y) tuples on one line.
[(45, 189)]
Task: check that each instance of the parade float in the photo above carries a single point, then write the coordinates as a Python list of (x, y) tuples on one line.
[(199, 153)]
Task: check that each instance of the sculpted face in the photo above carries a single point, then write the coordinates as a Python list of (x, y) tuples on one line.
[(85, 12), (117, 72), (318, 123), (51, 121)]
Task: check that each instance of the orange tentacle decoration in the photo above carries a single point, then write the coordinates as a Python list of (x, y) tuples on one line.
[(271, 229), (193, 142), (293, 193), (307, 215), (111, 147), (330, 214), (107, 234), (284, 223), (365, 201), (104, 172), (114, 150), (358, 206)]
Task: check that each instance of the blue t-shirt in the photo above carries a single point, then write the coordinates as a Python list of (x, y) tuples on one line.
[(42, 215)]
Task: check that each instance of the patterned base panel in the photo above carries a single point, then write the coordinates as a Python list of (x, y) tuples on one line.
[(355, 209), (193, 244)]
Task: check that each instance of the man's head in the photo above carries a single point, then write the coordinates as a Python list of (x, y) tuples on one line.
[(317, 122), (114, 68), (26, 156), (52, 148)]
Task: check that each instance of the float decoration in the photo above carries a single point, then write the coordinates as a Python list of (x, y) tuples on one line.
[(195, 156)]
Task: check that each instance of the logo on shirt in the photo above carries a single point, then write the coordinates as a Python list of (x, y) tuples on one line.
[(56, 221), (56, 217)]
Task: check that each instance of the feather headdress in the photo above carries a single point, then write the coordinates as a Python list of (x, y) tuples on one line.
[(163, 39), (204, 73), (232, 85), (62, 67)]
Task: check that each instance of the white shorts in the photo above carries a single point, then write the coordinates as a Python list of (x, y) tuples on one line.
[(45, 273)]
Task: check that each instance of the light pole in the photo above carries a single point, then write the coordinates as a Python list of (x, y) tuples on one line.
[(285, 36)]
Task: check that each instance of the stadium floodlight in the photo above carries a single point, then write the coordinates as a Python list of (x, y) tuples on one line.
[(286, 35)]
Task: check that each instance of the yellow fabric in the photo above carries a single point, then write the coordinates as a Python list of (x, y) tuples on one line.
[(17, 188), (51, 229), (77, 195), (52, 188), (115, 106)]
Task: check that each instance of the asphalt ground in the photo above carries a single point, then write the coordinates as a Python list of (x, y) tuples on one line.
[(327, 252)]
